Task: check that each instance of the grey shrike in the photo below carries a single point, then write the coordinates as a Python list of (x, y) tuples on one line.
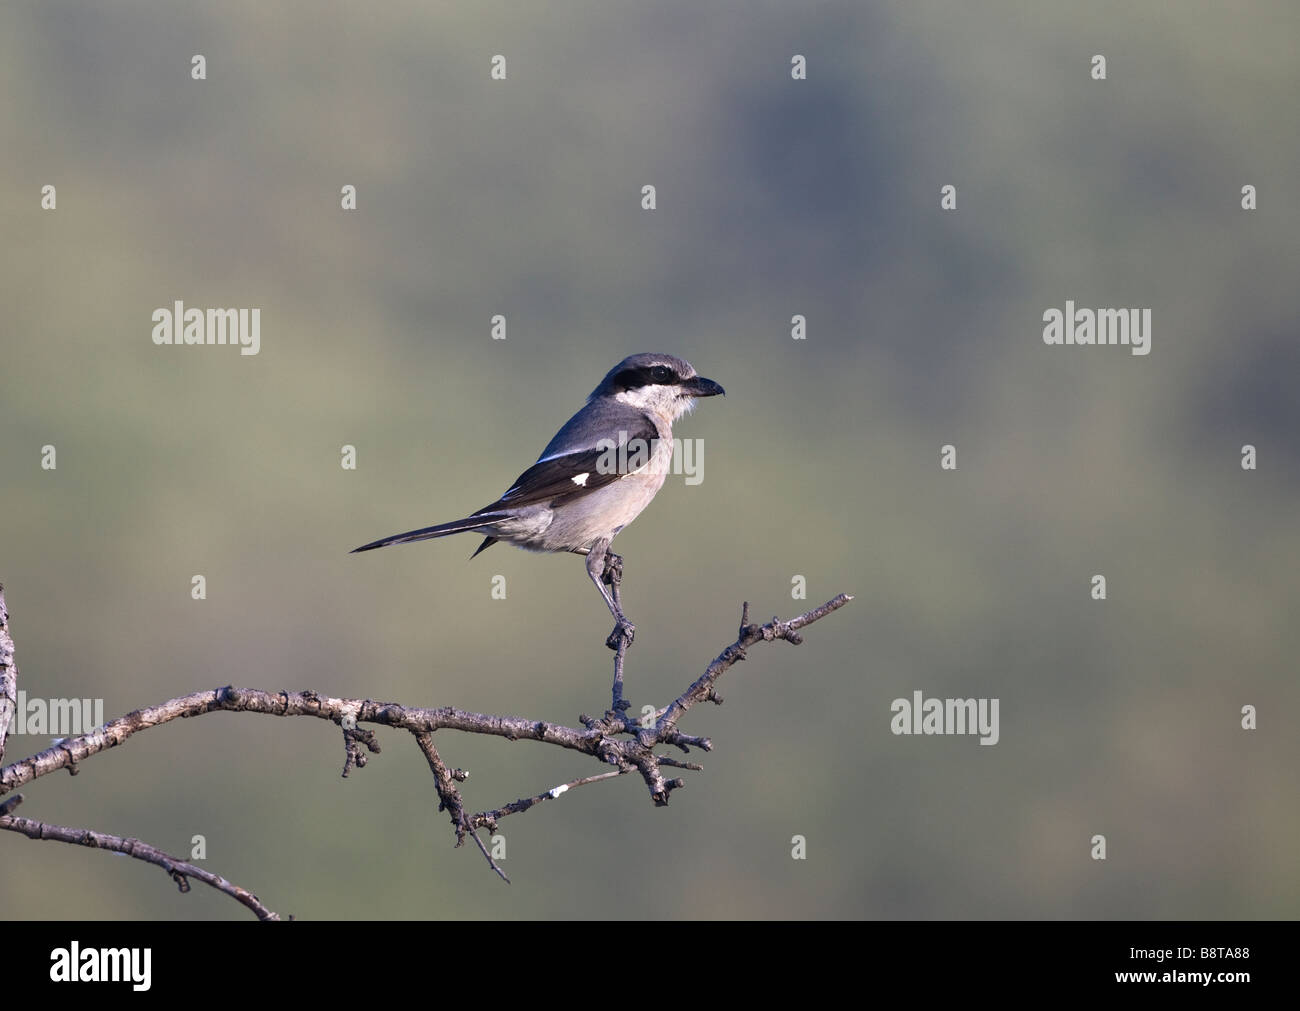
[(594, 478)]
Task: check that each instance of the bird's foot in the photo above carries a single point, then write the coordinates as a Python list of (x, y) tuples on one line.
[(624, 629), (613, 574)]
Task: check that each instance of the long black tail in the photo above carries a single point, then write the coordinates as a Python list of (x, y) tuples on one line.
[(441, 530)]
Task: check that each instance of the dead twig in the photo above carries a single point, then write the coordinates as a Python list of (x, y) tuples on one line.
[(179, 870)]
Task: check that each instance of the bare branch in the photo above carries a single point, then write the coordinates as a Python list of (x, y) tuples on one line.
[(449, 799), (618, 704), (488, 819), (353, 738), (179, 870), (703, 687), (305, 703), (614, 739), (684, 741), (8, 676)]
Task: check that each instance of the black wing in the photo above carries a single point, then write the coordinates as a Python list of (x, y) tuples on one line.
[(564, 478)]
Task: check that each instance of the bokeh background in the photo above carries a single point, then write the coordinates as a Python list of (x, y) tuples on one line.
[(776, 197)]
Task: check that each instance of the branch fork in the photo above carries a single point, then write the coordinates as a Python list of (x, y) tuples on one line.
[(614, 739)]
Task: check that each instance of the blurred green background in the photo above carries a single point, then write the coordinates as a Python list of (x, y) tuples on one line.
[(776, 197)]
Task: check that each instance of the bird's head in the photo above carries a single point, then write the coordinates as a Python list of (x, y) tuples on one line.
[(657, 384)]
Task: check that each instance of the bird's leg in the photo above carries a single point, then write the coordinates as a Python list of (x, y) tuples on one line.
[(613, 576), (604, 568)]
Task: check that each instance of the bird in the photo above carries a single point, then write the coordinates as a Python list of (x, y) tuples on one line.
[(594, 477)]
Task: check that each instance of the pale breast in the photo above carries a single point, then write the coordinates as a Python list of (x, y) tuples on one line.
[(607, 510)]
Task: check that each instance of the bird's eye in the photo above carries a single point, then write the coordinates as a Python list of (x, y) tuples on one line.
[(661, 374)]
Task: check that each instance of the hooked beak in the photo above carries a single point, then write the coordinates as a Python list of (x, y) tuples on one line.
[(701, 387)]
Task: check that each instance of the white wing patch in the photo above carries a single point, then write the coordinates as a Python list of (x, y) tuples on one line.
[(581, 478)]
